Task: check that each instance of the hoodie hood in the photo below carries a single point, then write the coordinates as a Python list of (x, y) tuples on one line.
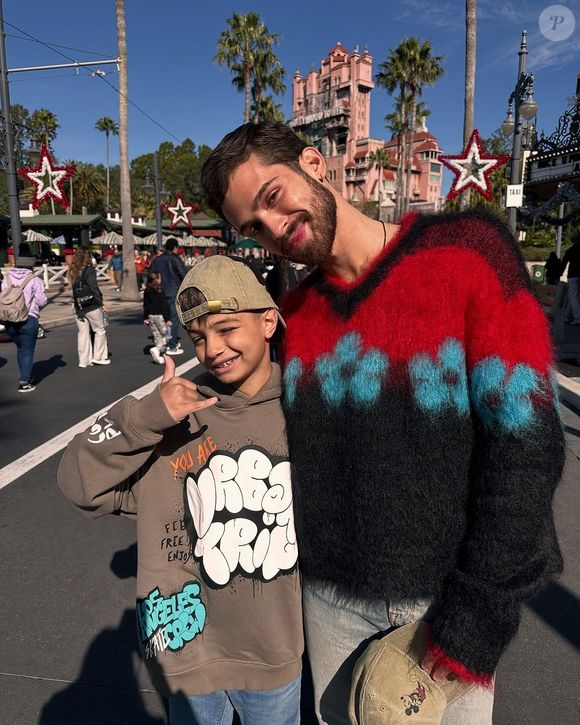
[(19, 273), (231, 399)]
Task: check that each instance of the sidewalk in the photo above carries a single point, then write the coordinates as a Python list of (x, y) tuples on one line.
[(59, 310)]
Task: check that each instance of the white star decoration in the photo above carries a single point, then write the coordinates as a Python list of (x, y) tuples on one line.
[(472, 168), (180, 212), (48, 179)]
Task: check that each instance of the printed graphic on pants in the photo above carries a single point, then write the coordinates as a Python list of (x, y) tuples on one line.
[(170, 622), (241, 510)]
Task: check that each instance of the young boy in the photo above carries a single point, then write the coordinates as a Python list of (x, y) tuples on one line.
[(156, 315), (203, 468)]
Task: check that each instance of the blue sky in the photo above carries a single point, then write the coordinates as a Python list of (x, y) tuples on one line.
[(173, 78)]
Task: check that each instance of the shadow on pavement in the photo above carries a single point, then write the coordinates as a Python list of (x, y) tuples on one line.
[(560, 609), (3, 361), (43, 368), (106, 690)]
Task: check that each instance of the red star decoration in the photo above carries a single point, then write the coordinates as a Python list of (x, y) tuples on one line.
[(472, 168), (180, 212), (47, 179)]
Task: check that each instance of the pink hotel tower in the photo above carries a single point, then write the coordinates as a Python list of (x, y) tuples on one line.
[(332, 107)]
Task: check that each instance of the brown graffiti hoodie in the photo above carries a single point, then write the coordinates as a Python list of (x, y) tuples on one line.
[(218, 593)]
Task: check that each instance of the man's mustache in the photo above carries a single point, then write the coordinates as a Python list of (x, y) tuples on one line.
[(283, 242)]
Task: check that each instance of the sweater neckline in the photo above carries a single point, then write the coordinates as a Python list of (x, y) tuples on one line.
[(343, 285)]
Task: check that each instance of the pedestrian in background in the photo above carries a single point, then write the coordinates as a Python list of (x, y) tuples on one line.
[(156, 316), (140, 269), (172, 271), (89, 310), (553, 268), (24, 334), (572, 258), (116, 265)]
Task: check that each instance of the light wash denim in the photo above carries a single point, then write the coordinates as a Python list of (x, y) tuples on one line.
[(337, 633), (280, 706)]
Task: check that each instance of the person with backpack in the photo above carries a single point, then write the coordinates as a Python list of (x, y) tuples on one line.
[(21, 298), (172, 271), (89, 310)]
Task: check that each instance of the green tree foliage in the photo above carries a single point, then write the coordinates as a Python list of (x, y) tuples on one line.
[(246, 49), (267, 110), (44, 125), (179, 170)]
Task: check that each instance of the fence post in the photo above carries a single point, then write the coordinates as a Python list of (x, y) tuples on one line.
[(45, 275)]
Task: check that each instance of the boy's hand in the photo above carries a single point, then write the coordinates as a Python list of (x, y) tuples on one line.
[(179, 395), (146, 322)]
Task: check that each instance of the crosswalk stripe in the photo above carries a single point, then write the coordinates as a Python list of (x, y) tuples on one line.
[(30, 460)]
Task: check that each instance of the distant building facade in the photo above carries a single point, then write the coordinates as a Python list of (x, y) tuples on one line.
[(332, 108)]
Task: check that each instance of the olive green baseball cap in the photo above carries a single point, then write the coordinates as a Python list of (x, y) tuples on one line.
[(228, 285)]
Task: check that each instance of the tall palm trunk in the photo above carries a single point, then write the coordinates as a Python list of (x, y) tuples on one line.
[(130, 291), (469, 107), (401, 159), (410, 139)]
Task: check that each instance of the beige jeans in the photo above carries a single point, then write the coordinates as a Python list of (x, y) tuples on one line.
[(94, 321)]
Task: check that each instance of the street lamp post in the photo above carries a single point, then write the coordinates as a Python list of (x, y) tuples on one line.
[(155, 188), (524, 108)]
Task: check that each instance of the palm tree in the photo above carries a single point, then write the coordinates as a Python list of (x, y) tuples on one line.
[(408, 69), (470, 47), (393, 77), (130, 291), (44, 124), (239, 49), (267, 110), (397, 124), (108, 127), (90, 186), (424, 69), (379, 159)]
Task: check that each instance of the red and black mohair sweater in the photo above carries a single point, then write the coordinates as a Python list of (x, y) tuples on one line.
[(424, 432)]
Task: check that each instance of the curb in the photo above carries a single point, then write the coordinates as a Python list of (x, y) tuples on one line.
[(569, 391), (70, 320)]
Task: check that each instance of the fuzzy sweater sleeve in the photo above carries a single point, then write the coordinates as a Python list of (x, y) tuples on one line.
[(510, 550)]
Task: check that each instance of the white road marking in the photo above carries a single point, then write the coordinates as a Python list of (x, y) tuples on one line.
[(30, 460)]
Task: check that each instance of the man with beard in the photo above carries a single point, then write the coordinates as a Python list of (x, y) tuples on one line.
[(422, 419)]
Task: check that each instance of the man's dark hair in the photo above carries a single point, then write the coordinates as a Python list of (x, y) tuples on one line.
[(273, 143), (171, 244)]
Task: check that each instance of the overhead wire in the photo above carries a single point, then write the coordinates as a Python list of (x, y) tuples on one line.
[(99, 75), (55, 45)]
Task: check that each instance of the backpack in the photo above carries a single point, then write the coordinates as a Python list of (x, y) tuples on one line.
[(13, 307), (82, 294)]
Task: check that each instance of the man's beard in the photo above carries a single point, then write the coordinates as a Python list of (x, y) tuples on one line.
[(322, 222)]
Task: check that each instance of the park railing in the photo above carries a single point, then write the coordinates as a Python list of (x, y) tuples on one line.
[(57, 276)]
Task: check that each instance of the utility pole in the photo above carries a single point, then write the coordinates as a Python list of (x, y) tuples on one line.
[(13, 202), (158, 226)]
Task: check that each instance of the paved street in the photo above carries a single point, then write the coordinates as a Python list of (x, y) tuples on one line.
[(68, 652)]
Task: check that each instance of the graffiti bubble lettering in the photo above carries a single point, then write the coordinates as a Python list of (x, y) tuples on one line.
[(259, 539), (102, 430), (170, 622)]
